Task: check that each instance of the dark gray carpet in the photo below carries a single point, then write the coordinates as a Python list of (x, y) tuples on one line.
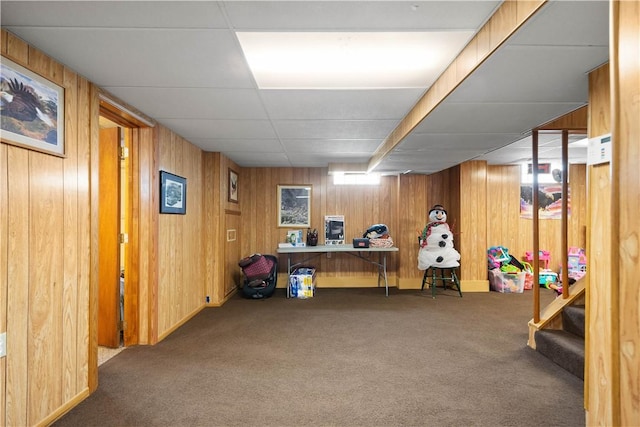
[(347, 357)]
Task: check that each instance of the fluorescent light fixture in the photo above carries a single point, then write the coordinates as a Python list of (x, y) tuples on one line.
[(349, 60), (342, 178)]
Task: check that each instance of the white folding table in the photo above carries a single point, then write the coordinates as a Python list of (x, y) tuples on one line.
[(310, 252)]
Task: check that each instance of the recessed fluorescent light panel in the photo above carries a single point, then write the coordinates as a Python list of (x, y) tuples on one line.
[(345, 60)]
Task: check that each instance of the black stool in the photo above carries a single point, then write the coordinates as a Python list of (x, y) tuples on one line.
[(431, 276)]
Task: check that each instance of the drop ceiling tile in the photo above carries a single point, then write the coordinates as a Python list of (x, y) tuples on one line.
[(331, 145), (323, 159), (340, 104), (568, 23), (115, 14), (334, 129), (223, 129), (441, 154), (358, 15), (542, 69), (256, 159), (487, 117), (479, 141), (146, 57), (261, 145), (193, 103)]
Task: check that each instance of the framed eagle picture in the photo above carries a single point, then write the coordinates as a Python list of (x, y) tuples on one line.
[(31, 110), (233, 186)]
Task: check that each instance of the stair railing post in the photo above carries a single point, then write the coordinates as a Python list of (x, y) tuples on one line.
[(565, 213), (534, 210)]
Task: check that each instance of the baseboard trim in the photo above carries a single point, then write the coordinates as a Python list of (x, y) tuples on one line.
[(474, 285), (401, 283), (465, 285), (62, 410), (180, 323)]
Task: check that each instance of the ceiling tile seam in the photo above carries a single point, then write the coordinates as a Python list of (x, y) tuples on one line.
[(236, 41), (289, 139), (230, 88), (94, 28)]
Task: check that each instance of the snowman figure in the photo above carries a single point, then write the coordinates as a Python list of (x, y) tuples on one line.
[(436, 242)]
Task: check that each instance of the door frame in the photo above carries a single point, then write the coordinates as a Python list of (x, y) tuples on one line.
[(103, 104)]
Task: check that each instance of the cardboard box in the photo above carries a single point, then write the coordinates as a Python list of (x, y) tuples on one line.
[(506, 282), (302, 283)]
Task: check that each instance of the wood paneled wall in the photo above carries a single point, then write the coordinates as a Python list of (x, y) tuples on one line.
[(612, 382), (221, 215), (45, 225), (413, 204), (505, 227), (141, 306), (500, 220), (602, 323), (48, 255), (472, 196), (180, 237), (361, 206), (625, 77)]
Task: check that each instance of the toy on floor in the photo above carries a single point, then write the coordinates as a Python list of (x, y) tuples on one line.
[(544, 257), (436, 242), (549, 279), (576, 263), (496, 256)]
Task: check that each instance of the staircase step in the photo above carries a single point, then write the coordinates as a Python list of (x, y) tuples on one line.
[(573, 319), (563, 348)]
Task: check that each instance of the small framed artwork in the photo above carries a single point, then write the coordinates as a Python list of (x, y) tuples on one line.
[(233, 186), (173, 194), (294, 206), (32, 114)]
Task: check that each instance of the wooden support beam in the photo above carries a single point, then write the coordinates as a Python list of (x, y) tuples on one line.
[(507, 19)]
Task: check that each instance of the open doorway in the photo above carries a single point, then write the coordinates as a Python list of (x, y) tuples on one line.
[(119, 197), (113, 216)]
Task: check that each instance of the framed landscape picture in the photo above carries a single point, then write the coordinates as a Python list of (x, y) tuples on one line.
[(32, 114), (173, 193), (294, 206)]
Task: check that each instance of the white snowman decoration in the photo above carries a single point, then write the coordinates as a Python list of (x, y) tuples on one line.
[(436, 242)]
